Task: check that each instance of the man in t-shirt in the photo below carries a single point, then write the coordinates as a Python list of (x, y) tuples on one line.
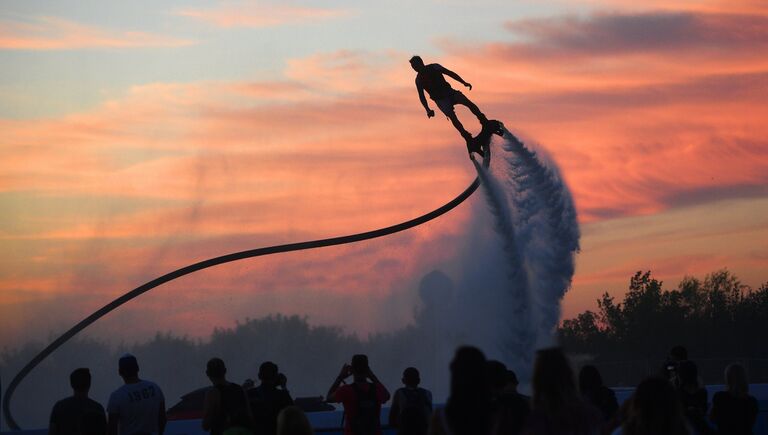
[(269, 398), (411, 406), (430, 78), (78, 415), (361, 399), (138, 407)]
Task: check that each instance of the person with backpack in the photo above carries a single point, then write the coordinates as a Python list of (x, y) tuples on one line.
[(411, 406), (226, 409), (361, 399)]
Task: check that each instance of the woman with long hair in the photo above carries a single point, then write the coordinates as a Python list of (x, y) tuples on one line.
[(654, 410), (734, 411), (596, 393), (557, 407), (468, 410)]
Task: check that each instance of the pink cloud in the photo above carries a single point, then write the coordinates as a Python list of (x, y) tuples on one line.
[(635, 133), (258, 15), (296, 128), (50, 33), (732, 6), (352, 71)]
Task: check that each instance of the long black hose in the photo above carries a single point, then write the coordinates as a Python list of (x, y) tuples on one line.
[(214, 262)]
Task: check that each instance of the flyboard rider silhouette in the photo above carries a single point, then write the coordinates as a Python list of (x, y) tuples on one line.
[(431, 78)]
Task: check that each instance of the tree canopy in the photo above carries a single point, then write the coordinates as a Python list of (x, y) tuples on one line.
[(717, 318)]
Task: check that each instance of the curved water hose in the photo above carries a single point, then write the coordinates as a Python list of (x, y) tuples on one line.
[(214, 262)]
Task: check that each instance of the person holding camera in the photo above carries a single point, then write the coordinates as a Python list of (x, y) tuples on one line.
[(361, 399), (269, 398), (677, 355)]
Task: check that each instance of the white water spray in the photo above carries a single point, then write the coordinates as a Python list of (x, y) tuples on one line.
[(513, 311)]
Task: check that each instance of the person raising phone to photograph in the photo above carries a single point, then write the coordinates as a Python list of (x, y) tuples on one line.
[(361, 399)]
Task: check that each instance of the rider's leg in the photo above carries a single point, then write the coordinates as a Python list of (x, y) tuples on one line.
[(457, 124), (446, 106), (463, 100)]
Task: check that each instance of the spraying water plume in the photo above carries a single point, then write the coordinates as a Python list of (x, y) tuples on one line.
[(516, 275)]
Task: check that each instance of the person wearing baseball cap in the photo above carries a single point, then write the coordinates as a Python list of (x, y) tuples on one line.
[(137, 407)]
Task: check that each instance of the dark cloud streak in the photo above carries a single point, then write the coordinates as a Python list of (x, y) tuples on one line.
[(617, 34), (720, 88)]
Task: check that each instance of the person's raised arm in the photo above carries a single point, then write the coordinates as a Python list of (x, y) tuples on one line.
[(282, 381), (456, 77), (377, 383), (331, 396), (423, 99)]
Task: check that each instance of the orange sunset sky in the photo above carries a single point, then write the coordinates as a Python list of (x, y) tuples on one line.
[(139, 137)]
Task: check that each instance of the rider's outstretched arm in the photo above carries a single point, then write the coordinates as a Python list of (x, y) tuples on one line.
[(456, 77), (423, 99)]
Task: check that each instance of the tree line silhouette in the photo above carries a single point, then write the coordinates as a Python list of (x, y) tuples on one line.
[(718, 319)]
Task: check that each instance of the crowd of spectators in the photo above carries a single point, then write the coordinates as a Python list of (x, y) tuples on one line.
[(483, 400)]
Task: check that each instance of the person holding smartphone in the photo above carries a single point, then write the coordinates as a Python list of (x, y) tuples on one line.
[(361, 399)]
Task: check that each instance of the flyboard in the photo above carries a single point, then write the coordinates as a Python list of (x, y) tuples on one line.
[(481, 144)]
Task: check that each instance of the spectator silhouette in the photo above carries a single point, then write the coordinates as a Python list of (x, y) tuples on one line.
[(468, 409), (693, 397), (411, 405), (654, 409), (78, 414), (225, 407), (557, 407), (361, 400), (293, 421), (269, 398), (734, 411), (138, 407), (512, 384), (510, 408), (496, 376), (596, 393), (676, 356)]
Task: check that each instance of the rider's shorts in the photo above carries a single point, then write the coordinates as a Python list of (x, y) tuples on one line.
[(446, 104)]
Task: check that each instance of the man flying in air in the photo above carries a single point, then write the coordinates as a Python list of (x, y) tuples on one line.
[(430, 78)]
